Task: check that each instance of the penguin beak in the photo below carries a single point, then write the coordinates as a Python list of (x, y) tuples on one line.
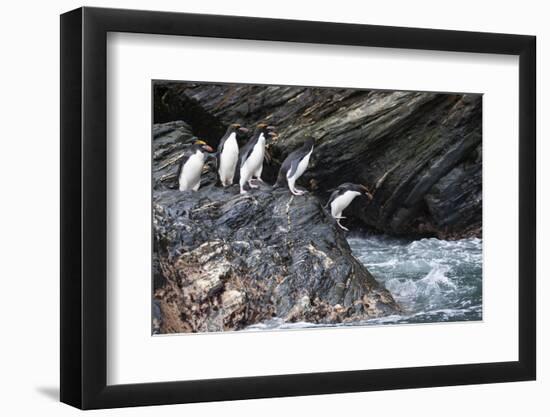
[(271, 132), (366, 192), (208, 148), (243, 130)]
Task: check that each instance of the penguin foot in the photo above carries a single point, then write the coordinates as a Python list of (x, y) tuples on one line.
[(244, 191), (257, 182), (342, 227), (297, 192)]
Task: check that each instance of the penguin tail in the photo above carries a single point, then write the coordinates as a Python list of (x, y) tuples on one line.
[(280, 181), (276, 185)]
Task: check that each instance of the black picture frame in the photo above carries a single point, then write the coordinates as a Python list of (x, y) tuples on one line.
[(84, 207)]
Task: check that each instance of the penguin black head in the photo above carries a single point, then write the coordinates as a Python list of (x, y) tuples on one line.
[(348, 186), (202, 146), (363, 190), (367, 193), (237, 128), (308, 143), (266, 129)]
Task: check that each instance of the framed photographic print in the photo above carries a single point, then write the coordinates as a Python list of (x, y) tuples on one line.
[(255, 208)]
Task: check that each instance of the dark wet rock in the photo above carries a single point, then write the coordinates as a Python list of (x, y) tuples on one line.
[(419, 152), (169, 142), (157, 317), (232, 260)]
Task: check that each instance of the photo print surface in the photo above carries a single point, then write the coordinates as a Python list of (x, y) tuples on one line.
[(290, 207)]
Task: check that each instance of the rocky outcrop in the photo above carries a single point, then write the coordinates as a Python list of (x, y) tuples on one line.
[(169, 142), (419, 152), (225, 261)]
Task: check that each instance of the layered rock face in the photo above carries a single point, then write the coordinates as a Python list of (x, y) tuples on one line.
[(420, 153), (224, 261)]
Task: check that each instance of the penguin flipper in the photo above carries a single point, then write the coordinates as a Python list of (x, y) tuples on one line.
[(282, 175), (245, 153), (332, 197), (293, 167), (216, 157)]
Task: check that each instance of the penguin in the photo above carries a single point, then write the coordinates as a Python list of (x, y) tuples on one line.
[(294, 166), (252, 156), (191, 165), (342, 197), (227, 154)]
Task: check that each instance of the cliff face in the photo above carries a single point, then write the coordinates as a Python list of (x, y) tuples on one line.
[(420, 153), (224, 261)]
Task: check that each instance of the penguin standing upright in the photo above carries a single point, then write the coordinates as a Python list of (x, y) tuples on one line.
[(191, 165), (342, 197), (252, 156), (228, 154), (294, 166)]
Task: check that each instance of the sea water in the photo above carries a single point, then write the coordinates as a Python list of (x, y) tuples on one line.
[(433, 280)]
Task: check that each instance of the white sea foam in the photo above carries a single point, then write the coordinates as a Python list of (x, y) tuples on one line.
[(433, 280)]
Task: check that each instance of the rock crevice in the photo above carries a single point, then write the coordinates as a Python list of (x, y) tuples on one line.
[(404, 145)]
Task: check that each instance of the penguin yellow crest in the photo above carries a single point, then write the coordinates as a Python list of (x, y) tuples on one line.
[(200, 142)]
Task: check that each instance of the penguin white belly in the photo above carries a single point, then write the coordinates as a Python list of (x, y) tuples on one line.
[(340, 203), (253, 165), (302, 166), (190, 175), (228, 160)]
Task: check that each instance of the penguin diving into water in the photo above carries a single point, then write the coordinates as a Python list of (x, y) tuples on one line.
[(294, 165), (252, 156), (228, 154), (191, 165), (342, 197)]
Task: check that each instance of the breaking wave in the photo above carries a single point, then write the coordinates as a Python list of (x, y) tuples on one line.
[(433, 280)]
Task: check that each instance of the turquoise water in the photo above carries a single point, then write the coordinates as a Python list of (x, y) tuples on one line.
[(433, 280)]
